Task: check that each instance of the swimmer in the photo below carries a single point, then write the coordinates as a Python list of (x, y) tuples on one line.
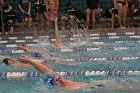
[(69, 85), (35, 54), (66, 85), (13, 63)]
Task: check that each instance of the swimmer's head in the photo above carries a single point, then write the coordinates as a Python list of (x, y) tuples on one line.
[(37, 55), (8, 61), (54, 80), (50, 80)]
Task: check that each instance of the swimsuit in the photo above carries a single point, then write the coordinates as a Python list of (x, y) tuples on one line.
[(35, 54), (91, 4), (50, 80)]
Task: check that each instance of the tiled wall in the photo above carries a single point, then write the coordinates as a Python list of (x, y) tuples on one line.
[(104, 4)]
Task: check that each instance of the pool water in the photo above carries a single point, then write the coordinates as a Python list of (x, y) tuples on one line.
[(99, 53)]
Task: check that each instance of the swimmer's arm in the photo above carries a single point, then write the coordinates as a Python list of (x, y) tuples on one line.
[(22, 65), (42, 68), (25, 49)]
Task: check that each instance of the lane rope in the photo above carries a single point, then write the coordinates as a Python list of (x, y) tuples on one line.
[(70, 73)]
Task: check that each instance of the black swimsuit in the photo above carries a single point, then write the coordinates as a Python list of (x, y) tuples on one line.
[(91, 4)]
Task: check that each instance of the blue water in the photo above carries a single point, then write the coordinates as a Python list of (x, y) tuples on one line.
[(110, 49)]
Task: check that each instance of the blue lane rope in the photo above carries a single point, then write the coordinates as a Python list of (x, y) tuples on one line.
[(51, 50)]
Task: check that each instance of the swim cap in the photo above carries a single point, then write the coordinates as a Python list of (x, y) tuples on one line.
[(50, 80), (5, 61), (35, 54)]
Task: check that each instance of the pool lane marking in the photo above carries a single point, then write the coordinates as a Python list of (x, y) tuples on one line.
[(69, 73)]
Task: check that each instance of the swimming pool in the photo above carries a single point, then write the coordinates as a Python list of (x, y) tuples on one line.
[(108, 58)]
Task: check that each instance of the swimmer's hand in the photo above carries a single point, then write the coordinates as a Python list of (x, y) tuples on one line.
[(24, 58), (20, 46)]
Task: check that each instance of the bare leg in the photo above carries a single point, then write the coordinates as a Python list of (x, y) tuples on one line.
[(88, 12), (112, 21), (120, 14), (131, 15), (124, 16), (93, 18)]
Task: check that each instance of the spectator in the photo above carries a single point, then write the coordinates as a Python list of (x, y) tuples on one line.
[(91, 11), (121, 6), (7, 17), (25, 9), (114, 12), (71, 13), (40, 8)]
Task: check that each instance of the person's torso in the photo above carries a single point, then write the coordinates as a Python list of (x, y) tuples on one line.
[(39, 7), (24, 4)]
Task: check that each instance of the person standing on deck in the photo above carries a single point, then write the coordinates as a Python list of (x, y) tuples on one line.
[(25, 9), (122, 12), (91, 11), (130, 12)]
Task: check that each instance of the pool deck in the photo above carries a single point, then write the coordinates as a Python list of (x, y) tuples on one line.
[(101, 28)]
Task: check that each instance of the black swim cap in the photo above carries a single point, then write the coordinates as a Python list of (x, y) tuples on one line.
[(6, 61)]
